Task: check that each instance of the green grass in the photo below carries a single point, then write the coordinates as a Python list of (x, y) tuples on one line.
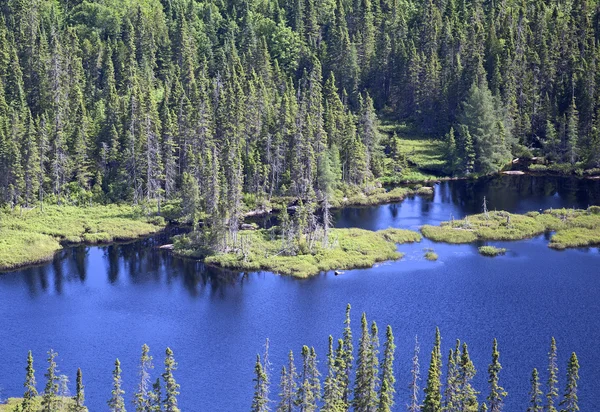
[(347, 249), (12, 403), (574, 228), (491, 251), (33, 236), (424, 155)]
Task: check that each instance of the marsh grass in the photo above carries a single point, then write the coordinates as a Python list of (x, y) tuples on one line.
[(491, 251), (347, 249), (33, 236), (13, 403), (574, 228)]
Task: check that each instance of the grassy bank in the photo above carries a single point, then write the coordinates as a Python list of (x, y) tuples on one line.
[(13, 403), (574, 228), (33, 236), (347, 249)]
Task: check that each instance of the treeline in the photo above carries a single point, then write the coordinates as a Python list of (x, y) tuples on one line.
[(367, 383), (228, 103), (151, 395)]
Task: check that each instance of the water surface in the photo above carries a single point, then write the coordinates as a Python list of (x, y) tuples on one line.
[(93, 304)]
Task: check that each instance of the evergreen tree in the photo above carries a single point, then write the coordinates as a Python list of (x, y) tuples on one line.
[(552, 390), (387, 379), (171, 387), (365, 389), (116, 403), (79, 398), (260, 401), (142, 396), (309, 390), (535, 400), (433, 390), (50, 396), (288, 386), (497, 393), (28, 404), (414, 405), (569, 402)]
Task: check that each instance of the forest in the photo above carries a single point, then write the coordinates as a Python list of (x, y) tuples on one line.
[(223, 105), (363, 383)]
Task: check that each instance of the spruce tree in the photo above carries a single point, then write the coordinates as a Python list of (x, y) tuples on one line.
[(142, 395), (365, 387), (288, 386), (79, 398), (552, 383), (171, 386), (116, 403), (433, 389), (569, 402), (28, 404), (348, 356), (260, 402), (535, 395), (414, 405), (497, 393), (50, 396), (388, 380), (466, 373), (309, 390)]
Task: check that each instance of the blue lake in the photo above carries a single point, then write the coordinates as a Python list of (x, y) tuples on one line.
[(94, 304)]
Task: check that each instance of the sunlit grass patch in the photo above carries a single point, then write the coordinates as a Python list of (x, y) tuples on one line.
[(346, 249), (491, 251), (32, 236)]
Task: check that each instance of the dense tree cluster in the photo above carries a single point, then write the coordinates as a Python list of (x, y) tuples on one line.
[(227, 103), (374, 382)]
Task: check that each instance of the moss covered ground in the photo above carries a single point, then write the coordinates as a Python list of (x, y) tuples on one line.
[(346, 249), (33, 236), (574, 228)]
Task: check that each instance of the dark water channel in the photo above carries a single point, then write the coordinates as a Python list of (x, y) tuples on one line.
[(93, 304)]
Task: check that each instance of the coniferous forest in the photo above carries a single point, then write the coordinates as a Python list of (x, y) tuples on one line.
[(221, 101)]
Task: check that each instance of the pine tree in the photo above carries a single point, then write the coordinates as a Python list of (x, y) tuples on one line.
[(497, 393), (347, 357), (116, 403), (260, 402), (365, 389), (388, 380), (535, 395), (569, 402), (171, 387), (414, 405), (433, 391), (142, 395), (288, 386), (50, 396), (466, 373), (552, 390), (309, 391), (28, 404), (79, 398)]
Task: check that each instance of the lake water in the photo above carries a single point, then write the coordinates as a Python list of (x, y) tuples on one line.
[(94, 304)]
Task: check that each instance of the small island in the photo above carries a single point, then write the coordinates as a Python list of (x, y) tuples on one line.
[(300, 255), (491, 251), (572, 227)]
